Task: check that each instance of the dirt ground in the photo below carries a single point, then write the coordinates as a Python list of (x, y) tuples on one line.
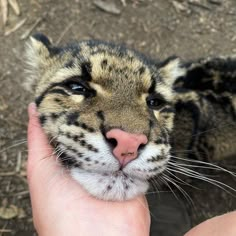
[(160, 28)]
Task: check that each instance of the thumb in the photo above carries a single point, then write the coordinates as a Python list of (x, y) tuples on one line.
[(39, 151)]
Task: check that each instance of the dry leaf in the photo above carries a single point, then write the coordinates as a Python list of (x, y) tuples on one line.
[(4, 7), (107, 7), (15, 6), (10, 212), (16, 27)]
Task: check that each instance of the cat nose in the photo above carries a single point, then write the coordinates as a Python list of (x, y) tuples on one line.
[(127, 144)]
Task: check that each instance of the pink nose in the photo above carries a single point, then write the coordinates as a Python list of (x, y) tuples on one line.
[(127, 146)]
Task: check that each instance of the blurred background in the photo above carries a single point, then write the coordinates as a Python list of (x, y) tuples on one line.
[(159, 28)]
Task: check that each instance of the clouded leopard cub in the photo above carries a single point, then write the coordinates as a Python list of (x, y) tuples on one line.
[(109, 110)]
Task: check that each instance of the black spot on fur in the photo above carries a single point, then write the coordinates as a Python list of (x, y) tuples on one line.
[(100, 115), (84, 126), (86, 71), (67, 161), (90, 147), (104, 63), (72, 117), (157, 158), (69, 64), (154, 169), (55, 116), (90, 129), (57, 100), (159, 141), (82, 143), (78, 164), (68, 135), (109, 187), (80, 154), (141, 70), (75, 138), (87, 159), (42, 119), (110, 68)]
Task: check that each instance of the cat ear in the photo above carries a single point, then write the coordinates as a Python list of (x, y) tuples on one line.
[(37, 56), (170, 70)]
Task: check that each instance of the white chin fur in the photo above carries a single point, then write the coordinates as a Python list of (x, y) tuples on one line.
[(112, 187)]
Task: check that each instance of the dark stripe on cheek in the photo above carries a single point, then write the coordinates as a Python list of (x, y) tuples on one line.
[(151, 124), (59, 91), (167, 110), (83, 126), (67, 161), (42, 119), (39, 99), (69, 64)]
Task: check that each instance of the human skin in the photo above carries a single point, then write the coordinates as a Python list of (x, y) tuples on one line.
[(62, 207), (224, 225)]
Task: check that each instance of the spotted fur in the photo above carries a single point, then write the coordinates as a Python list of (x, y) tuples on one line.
[(85, 89)]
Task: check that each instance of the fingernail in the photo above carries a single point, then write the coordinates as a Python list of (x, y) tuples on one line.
[(32, 110)]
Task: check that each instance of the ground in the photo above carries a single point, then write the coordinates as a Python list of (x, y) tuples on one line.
[(187, 28)]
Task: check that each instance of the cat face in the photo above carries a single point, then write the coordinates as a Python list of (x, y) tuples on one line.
[(108, 110)]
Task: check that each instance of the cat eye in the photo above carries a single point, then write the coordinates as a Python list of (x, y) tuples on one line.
[(155, 102), (77, 87)]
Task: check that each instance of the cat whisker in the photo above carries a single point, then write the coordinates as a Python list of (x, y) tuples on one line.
[(206, 164), (188, 198), (196, 175), (180, 180), (167, 184)]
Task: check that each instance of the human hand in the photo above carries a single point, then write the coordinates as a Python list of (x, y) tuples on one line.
[(62, 207)]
